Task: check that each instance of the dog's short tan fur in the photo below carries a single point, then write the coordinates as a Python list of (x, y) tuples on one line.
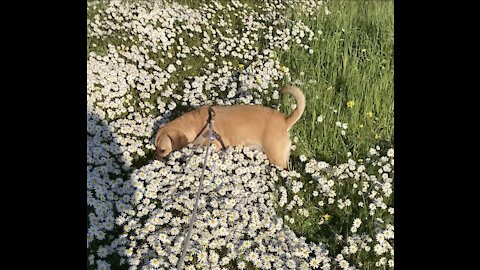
[(238, 125)]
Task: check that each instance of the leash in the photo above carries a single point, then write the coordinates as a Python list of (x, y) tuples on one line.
[(201, 137), (186, 242)]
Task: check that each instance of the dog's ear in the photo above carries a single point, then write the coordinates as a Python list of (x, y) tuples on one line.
[(157, 137), (179, 140)]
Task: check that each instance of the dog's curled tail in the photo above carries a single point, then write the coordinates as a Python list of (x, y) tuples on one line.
[(297, 113)]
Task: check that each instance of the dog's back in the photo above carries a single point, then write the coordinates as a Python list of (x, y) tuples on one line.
[(246, 124), (250, 124)]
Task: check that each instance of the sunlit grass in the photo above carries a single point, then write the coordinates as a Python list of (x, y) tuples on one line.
[(352, 61)]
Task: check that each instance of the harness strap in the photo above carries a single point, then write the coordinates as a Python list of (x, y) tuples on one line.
[(215, 135)]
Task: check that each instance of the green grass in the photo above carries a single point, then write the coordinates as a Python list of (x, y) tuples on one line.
[(354, 62)]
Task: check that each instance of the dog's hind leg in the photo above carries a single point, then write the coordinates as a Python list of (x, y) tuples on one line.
[(278, 151)]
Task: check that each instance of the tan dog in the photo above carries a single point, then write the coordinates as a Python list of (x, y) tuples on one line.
[(237, 125)]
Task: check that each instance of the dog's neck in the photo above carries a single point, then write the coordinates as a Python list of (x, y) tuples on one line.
[(197, 122)]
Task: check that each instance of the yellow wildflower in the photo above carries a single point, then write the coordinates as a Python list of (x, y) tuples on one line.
[(350, 104)]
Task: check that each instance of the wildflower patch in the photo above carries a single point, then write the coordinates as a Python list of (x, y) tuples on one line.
[(236, 220)]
